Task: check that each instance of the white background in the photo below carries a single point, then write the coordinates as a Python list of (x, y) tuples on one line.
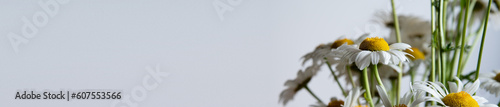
[(240, 61)]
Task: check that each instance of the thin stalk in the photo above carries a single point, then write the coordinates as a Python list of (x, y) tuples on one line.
[(433, 45), (396, 22), (439, 70), (394, 90), (398, 88), (377, 76), (314, 95), (454, 61), (474, 44), (470, 7), (459, 73), (350, 76), (336, 79), (366, 85), (398, 38), (432, 77), (442, 33), (412, 73), (482, 40)]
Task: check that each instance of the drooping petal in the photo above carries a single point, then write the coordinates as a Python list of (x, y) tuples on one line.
[(375, 58), (460, 85), (363, 59), (406, 98), (394, 57), (400, 55), (395, 67), (471, 89), (423, 87), (480, 100), (419, 98), (385, 98), (453, 87), (440, 88), (384, 57), (401, 46)]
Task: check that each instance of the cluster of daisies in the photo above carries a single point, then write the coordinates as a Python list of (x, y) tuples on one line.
[(431, 53)]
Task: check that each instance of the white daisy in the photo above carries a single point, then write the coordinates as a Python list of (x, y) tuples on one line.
[(414, 30), (491, 82), (479, 11), (323, 50), (317, 56), (405, 101), (373, 51), (457, 95), (351, 100), (295, 85)]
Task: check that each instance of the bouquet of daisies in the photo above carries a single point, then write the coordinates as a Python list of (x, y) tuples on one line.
[(373, 66)]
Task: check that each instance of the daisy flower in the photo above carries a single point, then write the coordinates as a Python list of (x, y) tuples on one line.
[(414, 30), (323, 54), (405, 101), (295, 85), (351, 100), (480, 8), (457, 95), (417, 58), (491, 82), (415, 54), (323, 50), (373, 51)]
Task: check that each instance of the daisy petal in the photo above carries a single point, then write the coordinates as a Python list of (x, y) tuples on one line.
[(385, 99), (401, 46), (375, 57), (363, 59), (384, 57), (395, 67)]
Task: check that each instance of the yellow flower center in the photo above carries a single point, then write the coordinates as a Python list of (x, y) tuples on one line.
[(374, 44), (336, 103), (340, 42), (497, 77), (417, 54), (461, 99), (401, 105)]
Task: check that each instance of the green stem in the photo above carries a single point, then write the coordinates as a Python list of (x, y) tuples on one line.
[(463, 40), (412, 73), (394, 90), (336, 79), (454, 61), (396, 22), (314, 95), (398, 88), (350, 76), (442, 35), (439, 70), (398, 37), (366, 85), (478, 31), (482, 40), (377, 76), (433, 44), (474, 43)]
